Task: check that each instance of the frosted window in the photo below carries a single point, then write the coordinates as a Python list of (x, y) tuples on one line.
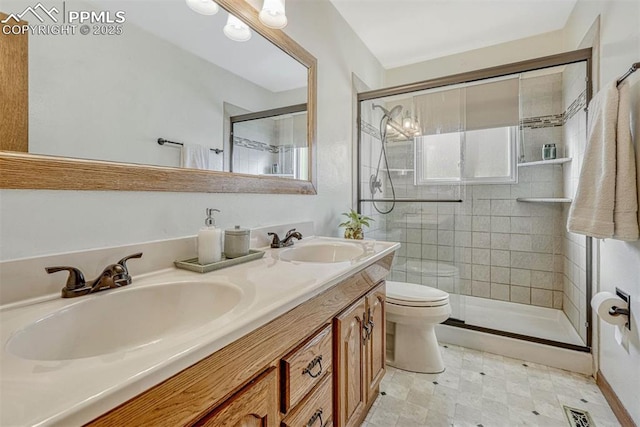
[(476, 156), (438, 157), (488, 153)]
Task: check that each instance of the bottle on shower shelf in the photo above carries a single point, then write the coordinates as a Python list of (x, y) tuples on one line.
[(548, 151)]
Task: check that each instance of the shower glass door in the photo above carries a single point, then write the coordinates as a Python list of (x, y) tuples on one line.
[(456, 174)]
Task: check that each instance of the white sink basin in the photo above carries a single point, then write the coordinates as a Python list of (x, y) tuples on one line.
[(323, 252), (124, 319)]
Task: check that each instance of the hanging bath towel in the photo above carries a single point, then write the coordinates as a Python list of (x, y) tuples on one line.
[(625, 213), (606, 204), (196, 157)]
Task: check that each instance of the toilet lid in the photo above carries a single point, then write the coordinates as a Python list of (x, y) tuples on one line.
[(415, 295)]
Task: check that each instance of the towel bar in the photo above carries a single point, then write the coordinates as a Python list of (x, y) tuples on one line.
[(163, 141), (630, 71)]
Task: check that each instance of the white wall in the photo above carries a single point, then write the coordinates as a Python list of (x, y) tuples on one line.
[(46, 222), (619, 262), (504, 53)]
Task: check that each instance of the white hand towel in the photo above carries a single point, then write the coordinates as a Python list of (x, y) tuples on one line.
[(591, 212), (195, 157), (625, 214), (606, 204)]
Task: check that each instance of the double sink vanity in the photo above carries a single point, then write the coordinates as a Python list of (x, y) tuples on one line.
[(295, 338)]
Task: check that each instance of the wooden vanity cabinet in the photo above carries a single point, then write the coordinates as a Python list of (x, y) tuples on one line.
[(359, 357), (255, 405), (319, 364)]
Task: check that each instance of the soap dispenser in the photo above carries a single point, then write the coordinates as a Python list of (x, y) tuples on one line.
[(209, 240)]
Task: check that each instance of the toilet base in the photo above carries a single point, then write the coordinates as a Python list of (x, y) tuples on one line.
[(416, 349)]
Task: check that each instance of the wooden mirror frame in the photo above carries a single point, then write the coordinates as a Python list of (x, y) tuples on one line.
[(40, 172)]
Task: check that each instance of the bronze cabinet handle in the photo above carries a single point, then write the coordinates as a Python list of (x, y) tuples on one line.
[(366, 333), (368, 326), (316, 361), (316, 416)]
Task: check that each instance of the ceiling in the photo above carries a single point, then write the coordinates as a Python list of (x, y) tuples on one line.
[(402, 32)]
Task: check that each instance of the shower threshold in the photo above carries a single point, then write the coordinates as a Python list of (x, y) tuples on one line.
[(520, 321)]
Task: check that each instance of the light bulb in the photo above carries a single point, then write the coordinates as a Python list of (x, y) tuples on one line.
[(407, 123), (236, 30), (204, 7), (273, 14)]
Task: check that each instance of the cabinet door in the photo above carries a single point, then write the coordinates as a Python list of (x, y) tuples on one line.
[(256, 405), (349, 391), (376, 344)]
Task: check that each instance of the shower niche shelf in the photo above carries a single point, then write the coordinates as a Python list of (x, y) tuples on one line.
[(544, 199), (545, 162)]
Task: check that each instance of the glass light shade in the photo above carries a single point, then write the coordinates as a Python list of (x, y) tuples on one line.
[(236, 30), (272, 14), (204, 7)]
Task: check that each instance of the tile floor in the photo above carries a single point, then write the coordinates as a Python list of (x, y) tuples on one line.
[(484, 389)]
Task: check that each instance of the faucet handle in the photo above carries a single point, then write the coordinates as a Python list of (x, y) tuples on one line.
[(290, 231), (123, 261), (75, 279), (275, 242)]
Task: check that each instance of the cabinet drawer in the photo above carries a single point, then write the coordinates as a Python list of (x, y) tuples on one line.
[(316, 410), (255, 405), (305, 366)]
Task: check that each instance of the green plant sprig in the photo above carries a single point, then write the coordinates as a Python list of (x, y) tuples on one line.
[(356, 220)]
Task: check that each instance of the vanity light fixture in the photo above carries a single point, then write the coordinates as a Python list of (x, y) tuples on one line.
[(203, 7), (410, 124), (236, 30), (272, 14)]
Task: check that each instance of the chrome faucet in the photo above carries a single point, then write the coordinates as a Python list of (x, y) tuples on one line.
[(113, 276), (287, 241)]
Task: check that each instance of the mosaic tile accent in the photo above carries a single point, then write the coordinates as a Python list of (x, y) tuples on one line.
[(577, 105), (261, 146), (556, 120), (510, 394), (552, 120), (369, 129)]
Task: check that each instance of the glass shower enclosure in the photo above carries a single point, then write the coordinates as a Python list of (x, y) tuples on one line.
[(455, 170)]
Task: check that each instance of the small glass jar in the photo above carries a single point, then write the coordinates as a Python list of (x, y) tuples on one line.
[(548, 151)]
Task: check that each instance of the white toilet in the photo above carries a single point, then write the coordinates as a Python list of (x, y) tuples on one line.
[(414, 311)]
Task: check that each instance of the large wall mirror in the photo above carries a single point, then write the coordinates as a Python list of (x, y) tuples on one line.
[(162, 101)]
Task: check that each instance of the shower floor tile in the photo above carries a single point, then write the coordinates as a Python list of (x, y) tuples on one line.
[(486, 389)]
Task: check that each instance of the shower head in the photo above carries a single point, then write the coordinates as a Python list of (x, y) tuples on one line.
[(395, 111)]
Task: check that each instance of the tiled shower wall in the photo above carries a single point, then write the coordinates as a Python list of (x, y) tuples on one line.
[(542, 112), (503, 249)]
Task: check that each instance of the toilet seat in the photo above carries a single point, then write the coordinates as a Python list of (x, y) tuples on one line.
[(411, 295)]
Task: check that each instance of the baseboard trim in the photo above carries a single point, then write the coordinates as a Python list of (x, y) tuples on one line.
[(617, 407)]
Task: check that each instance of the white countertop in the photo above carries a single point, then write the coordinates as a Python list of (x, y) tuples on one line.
[(73, 392)]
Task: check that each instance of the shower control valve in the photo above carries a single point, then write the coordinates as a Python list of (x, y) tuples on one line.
[(375, 184)]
